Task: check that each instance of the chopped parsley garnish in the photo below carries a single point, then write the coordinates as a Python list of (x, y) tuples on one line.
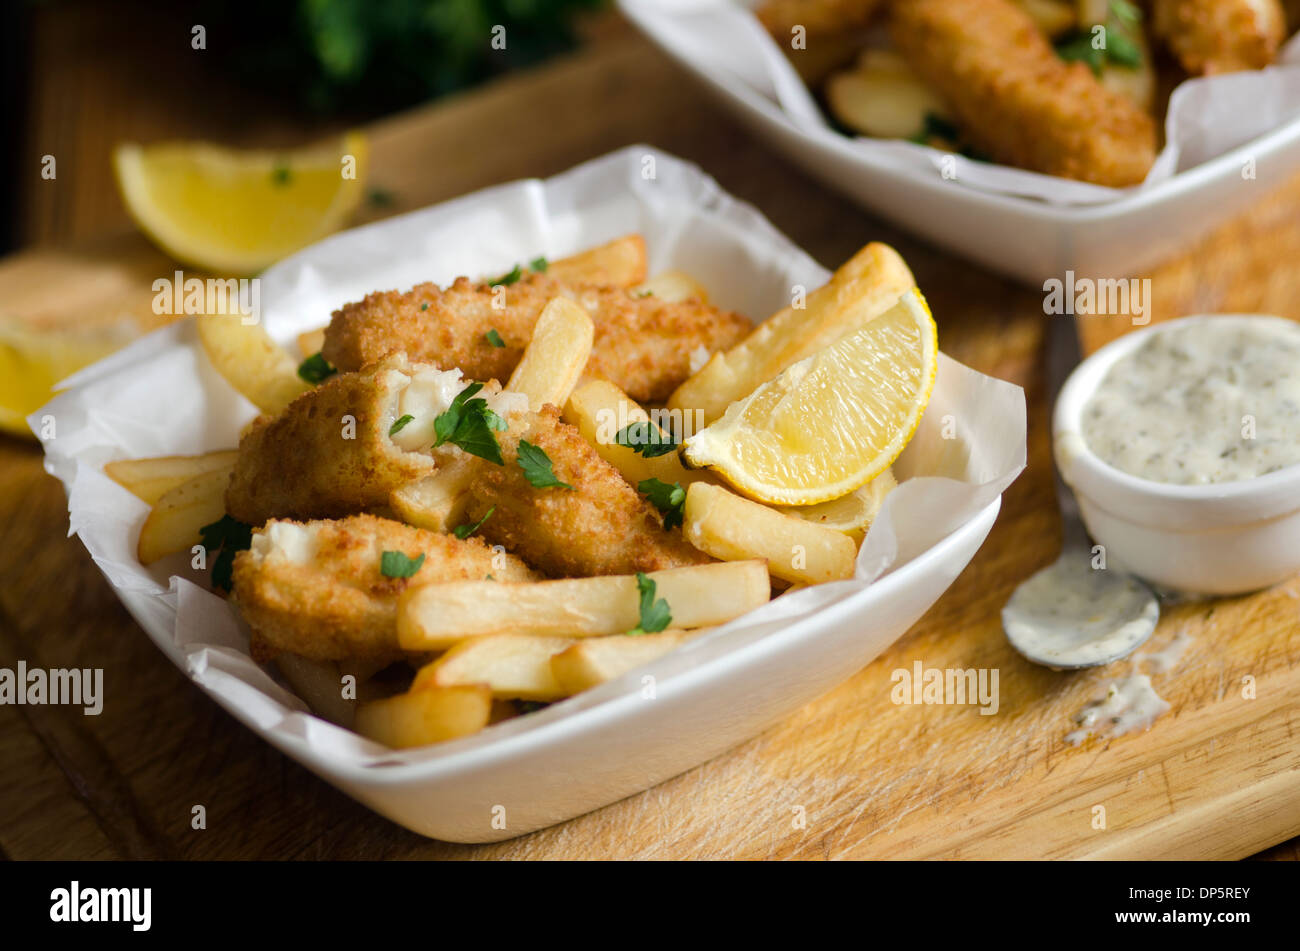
[(936, 127), (280, 175), (1077, 47), (466, 530), (1121, 45), (468, 423), (316, 369), (670, 500), (510, 276), (1125, 12), (394, 564), (1122, 51), (646, 438), (225, 538), (494, 338), (655, 615), (539, 265), (380, 197), (424, 306), (398, 426), (537, 467)]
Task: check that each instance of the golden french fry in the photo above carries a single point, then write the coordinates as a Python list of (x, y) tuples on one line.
[(732, 528), (556, 355), (600, 410), (851, 514), (437, 616), (672, 286), (1137, 83), (592, 661), (150, 479), (310, 343), (512, 666), (437, 502), (319, 684), (254, 364), (621, 263), (862, 289), (174, 523), (882, 97), (421, 717)]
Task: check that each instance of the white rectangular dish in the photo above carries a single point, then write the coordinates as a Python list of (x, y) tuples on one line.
[(1238, 138), (160, 396)]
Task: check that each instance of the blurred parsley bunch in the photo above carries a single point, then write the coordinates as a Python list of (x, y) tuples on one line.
[(378, 55)]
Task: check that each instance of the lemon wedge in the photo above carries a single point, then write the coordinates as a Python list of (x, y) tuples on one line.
[(33, 360), (833, 421), (851, 514), (236, 212)]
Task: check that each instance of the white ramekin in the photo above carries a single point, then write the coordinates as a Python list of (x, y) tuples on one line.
[(1227, 538)]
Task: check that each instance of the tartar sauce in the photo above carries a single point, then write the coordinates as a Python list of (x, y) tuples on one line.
[(1130, 703), (1212, 400)]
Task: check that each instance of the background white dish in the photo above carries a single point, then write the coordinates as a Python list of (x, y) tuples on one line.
[(160, 396), (1025, 238)]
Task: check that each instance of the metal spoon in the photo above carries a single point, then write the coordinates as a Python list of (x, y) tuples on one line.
[(1072, 614)]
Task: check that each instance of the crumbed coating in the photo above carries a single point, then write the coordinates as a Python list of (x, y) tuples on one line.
[(643, 344), (1016, 99), (1220, 36), (600, 527), (328, 453), (338, 605)]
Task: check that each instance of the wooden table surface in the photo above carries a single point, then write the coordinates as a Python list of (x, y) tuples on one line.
[(123, 784)]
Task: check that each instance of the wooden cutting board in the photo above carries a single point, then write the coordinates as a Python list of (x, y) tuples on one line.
[(851, 775)]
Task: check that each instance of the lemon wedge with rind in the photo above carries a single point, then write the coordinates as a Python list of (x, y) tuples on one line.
[(34, 359), (232, 211), (851, 514), (833, 421)]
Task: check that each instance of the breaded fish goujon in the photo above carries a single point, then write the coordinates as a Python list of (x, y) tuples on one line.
[(339, 449), (317, 589), (600, 526), (1220, 36), (642, 343), (1016, 99)]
